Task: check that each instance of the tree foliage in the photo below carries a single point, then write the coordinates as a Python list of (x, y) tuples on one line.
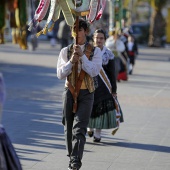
[(158, 4), (157, 22)]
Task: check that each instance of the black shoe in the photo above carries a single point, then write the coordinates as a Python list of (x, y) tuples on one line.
[(90, 133), (75, 169), (96, 139), (69, 167), (72, 168), (130, 72)]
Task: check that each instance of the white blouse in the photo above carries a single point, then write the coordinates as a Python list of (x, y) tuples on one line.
[(64, 67), (106, 55), (130, 46)]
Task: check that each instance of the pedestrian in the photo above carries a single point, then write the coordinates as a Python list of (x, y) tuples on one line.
[(64, 34), (132, 52), (104, 109), (75, 122), (115, 44), (124, 38), (8, 157)]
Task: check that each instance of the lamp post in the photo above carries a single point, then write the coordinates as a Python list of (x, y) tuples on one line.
[(112, 15), (128, 4), (116, 14)]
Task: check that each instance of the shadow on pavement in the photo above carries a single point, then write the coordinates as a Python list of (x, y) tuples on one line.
[(33, 107), (149, 147), (43, 49)]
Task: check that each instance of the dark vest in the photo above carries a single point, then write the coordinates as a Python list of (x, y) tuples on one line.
[(88, 81)]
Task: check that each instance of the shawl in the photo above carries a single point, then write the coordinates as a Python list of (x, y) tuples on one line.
[(106, 55)]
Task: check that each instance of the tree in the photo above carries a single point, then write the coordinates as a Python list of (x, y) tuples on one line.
[(157, 23)]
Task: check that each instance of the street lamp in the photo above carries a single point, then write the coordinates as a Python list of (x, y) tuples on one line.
[(115, 11), (112, 14)]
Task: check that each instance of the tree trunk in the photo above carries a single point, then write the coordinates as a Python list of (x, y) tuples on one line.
[(157, 29)]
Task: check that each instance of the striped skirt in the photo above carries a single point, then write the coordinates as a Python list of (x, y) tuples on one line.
[(104, 115)]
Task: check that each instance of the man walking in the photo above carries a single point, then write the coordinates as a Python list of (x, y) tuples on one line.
[(89, 65)]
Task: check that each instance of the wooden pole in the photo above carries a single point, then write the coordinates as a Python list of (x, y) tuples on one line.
[(76, 69), (77, 29)]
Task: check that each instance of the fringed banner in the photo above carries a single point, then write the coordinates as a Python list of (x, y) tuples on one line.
[(91, 9)]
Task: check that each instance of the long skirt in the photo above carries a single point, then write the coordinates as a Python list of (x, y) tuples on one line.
[(104, 115)]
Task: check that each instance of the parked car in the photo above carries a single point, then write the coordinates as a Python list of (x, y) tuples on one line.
[(141, 32)]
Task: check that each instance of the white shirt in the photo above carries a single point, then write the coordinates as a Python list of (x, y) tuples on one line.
[(113, 45), (130, 46), (64, 67)]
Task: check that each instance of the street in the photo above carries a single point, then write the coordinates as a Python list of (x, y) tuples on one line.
[(33, 109)]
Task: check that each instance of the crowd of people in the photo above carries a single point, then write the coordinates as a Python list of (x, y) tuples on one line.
[(91, 70), (121, 42)]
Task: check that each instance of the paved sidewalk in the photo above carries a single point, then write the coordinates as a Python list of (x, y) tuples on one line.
[(32, 113)]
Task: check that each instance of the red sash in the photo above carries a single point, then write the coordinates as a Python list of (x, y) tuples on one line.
[(131, 53)]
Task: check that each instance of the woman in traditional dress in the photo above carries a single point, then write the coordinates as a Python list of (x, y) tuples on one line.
[(116, 45), (18, 21), (104, 114), (132, 49)]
